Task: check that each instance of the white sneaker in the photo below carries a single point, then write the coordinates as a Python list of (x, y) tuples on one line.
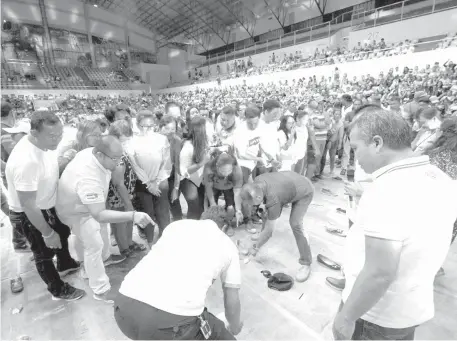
[(105, 297)]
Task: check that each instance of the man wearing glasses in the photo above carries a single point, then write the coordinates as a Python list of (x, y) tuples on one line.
[(82, 193)]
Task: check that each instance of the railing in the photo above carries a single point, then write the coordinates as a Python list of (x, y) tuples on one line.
[(356, 20), (349, 57)]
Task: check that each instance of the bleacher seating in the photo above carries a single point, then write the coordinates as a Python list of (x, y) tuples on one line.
[(61, 77), (106, 78)]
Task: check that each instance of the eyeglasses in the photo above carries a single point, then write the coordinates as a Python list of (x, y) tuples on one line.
[(116, 160), (147, 127)]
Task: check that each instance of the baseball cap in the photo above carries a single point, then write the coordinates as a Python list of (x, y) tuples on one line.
[(20, 127)]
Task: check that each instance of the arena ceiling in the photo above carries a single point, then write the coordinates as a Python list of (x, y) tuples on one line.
[(199, 20)]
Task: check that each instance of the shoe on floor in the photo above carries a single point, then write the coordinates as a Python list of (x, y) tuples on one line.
[(114, 259), (336, 232), (327, 262), (136, 247), (230, 231), (22, 248), (127, 253), (303, 273), (75, 266), (343, 172), (106, 297), (69, 293), (142, 234), (336, 283), (16, 285)]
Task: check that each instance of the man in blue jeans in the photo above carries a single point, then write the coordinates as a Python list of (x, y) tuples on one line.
[(273, 191)]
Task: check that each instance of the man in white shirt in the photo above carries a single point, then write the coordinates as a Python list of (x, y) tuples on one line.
[(32, 173), (226, 125), (392, 255), (163, 296), (83, 189)]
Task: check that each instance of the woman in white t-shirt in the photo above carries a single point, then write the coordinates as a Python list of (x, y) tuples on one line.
[(192, 159), (301, 129), (287, 138)]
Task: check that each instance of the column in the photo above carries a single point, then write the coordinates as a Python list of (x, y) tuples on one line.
[(48, 52), (89, 34), (127, 42)]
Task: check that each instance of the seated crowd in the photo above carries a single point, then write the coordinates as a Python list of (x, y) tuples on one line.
[(129, 164)]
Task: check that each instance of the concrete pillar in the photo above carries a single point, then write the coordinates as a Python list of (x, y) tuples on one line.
[(48, 51), (89, 35), (127, 42)]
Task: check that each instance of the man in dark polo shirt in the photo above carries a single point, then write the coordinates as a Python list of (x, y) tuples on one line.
[(273, 191)]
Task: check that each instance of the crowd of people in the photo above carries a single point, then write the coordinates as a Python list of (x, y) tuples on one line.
[(259, 148)]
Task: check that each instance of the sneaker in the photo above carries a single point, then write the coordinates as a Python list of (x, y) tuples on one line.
[(69, 293), (73, 267), (142, 234), (16, 285), (22, 248), (135, 247), (127, 253), (336, 283), (114, 259), (303, 273), (343, 172), (105, 297)]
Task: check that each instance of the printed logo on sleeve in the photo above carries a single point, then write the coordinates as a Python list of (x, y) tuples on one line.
[(91, 196)]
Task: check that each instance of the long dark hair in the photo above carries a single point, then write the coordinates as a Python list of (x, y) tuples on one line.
[(448, 138), (197, 135), (282, 126)]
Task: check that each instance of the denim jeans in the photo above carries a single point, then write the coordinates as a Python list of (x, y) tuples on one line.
[(194, 196), (19, 240), (44, 255), (140, 321), (330, 148), (157, 207), (175, 206), (365, 330)]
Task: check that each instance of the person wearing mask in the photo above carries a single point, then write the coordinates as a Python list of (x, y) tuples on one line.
[(171, 309), (122, 190), (87, 135), (32, 174), (153, 168), (168, 127), (270, 150), (193, 157), (247, 141), (271, 192), (428, 132), (223, 175), (391, 261), (82, 194)]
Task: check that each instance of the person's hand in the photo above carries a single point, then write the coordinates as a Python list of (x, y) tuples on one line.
[(142, 219), (342, 328), (174, 194), (353, 189), (153, 188), (235, 330), (53, 242), (239, 218), (70, 154)]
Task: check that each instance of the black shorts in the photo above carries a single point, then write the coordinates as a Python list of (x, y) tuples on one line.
[(229, 196)]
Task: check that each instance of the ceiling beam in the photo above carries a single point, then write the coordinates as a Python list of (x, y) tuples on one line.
[(274, 14), (242, 23)]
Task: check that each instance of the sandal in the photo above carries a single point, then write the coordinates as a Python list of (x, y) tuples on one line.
[(137, 247), (126, 253), (16, 285)]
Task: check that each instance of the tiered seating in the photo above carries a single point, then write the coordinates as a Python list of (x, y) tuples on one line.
[(13, 76), (106, 79), (61, 77)]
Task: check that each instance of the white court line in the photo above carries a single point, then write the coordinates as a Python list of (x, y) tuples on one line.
[(285, 313)]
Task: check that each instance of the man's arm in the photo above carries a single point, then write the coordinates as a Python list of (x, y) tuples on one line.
[(33, 213), (381, 264), (99, 212), (232, 306)]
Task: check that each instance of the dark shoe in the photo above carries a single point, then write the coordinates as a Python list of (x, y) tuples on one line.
[(72, 267), (340, 210), (114, 259), (142, 234), (336, 232), (343, 172), (127, 253), (22, 248), (336, 283), (69, 293), (135, 247), (327, 262), (16, 285)]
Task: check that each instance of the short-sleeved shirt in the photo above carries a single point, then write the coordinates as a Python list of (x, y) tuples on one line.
[(31, 169), (211, 177), (281, 188), (83, 182), (180, 268)]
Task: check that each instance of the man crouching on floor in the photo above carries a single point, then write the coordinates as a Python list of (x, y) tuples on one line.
[(163, 296), (273, 191)]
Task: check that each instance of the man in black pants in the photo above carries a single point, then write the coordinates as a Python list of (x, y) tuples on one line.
[(274, 191), (32, 174), (163, 296)]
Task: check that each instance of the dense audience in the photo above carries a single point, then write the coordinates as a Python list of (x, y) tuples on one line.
[(132, 158)]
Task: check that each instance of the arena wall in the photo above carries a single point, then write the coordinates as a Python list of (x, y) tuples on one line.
[(58, 93), (415, 28), (364, 67)]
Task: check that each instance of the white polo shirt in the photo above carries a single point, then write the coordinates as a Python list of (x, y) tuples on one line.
[(247, 143), (31, 169), (178, 271), (83, 182), (409, 201)]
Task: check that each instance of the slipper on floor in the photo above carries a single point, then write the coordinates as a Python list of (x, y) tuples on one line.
[(328, 192), (327, 262), (336, 232)]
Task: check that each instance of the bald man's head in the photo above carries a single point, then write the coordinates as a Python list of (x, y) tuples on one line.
[(108, 152), (252, 193)]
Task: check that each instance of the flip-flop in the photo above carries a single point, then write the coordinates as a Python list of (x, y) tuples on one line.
[(327, 262), (328, 192), (336, 232), (340, 210)]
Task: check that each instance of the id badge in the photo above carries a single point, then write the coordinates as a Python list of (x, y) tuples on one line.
[(205, 328)]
